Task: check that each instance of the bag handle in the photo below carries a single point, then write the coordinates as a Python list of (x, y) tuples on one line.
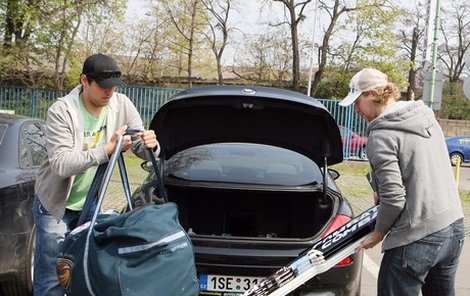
[(153, 160), (106, 177), (125, 179), (102, 192), (161, 190), (92, 198), (99, 185)]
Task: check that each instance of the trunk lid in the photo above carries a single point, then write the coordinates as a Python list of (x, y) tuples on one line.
[(218, 114)]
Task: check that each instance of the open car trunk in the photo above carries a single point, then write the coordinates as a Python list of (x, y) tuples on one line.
[(249, 213)]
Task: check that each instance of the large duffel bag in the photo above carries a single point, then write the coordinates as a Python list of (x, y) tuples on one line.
[(144, 251)]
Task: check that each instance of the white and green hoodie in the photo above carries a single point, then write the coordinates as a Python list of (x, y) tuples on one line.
[(418, 194)]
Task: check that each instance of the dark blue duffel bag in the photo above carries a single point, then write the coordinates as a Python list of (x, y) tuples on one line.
[(144, 251)]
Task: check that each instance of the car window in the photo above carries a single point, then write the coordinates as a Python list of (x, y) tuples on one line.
[(464, 141), (244, 163), (3, 130), (33, 145), (342, 131)]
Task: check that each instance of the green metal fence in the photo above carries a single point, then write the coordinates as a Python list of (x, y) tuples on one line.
[(148, 99), (35, 102), (353, 129), (28, 101)]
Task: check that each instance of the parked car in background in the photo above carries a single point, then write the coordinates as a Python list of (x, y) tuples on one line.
[(459, 149), (353, 143), (253, 189), (22, 150)]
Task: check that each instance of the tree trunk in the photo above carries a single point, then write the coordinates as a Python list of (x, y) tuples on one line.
[(325, 47), (295, 53), (220, 77)]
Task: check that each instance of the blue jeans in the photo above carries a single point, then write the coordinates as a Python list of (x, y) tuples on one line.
[(429, 265), (50, 234)]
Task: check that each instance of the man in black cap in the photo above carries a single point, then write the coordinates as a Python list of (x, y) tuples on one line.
[(82, 132)]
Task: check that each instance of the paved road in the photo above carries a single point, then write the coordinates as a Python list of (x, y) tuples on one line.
[(464, 177), (373, 256)]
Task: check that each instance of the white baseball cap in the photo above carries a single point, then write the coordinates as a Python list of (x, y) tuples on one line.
[(364, 80)]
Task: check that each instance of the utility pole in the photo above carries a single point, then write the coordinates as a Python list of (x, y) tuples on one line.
[(466, 81), (437, 27)]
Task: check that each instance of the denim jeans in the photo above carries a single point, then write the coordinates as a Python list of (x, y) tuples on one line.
[(50, 233), (429, 265)]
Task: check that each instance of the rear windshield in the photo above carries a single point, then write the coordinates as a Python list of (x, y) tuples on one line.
[(3, 130), (244, 163)]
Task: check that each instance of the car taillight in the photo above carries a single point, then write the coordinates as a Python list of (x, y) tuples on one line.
[(338, 221), (346, 261)]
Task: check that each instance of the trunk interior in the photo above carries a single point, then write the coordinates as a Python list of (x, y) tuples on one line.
[(256, 214)]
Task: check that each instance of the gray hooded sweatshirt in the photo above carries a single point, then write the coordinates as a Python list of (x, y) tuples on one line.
[(65, 156), (408, 155)]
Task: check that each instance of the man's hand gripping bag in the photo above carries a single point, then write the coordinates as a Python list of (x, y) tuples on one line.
[(144, 251)]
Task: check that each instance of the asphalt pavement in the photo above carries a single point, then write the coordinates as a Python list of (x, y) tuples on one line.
[(464, 177)]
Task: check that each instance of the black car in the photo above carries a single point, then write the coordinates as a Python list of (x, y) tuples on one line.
[(245, 165), (22, 150)]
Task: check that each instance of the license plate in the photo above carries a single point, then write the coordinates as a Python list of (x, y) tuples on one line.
[(227, 283)]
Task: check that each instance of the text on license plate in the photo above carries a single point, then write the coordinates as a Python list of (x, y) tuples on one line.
[(227, 283)]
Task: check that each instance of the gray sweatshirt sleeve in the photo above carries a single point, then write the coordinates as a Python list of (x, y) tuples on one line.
[(382, 152), (65, 159), (134, 121)]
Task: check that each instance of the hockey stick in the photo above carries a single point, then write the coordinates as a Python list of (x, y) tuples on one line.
[(321, 257)]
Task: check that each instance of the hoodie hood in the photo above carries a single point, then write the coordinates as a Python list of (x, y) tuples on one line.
[(407, 116)]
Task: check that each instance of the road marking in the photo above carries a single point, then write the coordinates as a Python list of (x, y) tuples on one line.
[(371, 266)]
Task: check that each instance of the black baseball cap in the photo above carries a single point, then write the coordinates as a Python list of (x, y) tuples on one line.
[(102, 69)]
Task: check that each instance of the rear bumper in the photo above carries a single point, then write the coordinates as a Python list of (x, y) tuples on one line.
[(339, 280)]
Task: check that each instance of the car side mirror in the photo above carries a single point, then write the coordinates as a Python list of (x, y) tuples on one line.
[(333, 173)]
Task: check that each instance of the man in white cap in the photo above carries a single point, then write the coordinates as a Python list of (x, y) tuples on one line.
[(82, 132), (420, 218)]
